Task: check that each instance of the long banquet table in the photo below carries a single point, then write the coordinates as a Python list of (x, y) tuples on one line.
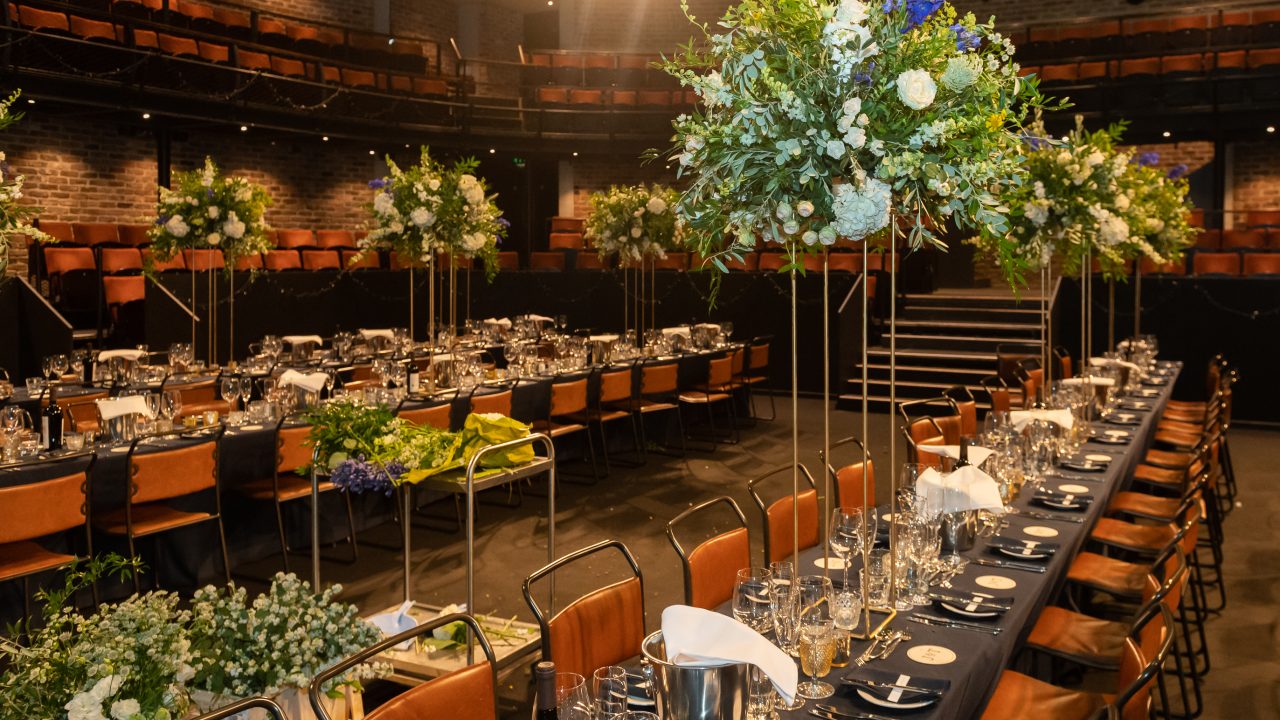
[(979, 656), (246, 453)]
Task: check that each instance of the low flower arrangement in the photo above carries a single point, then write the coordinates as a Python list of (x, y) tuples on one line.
[(15, 217), (365, 448), (207, 210), (429, 208), (143, 658), (820, 120), (634, 222), (1087, 197)]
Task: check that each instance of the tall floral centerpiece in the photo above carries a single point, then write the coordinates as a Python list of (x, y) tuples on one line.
[(1159, 214), (635, 223), (429, 209), (206, 210), (15, 217), (821, 119), (828, 119)]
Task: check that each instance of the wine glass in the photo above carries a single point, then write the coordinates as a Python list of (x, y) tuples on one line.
[(573, 700), (751, 598), (609, 692), (817, 635), (46, 367), (229, 389), (246, 390), (171, 404), (845, 536)]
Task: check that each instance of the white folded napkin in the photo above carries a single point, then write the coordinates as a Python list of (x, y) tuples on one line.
[(1061, 418), (977, 455), (694, 636), (965, 489), (1099, 381), (302, 339), (111, 408), (540, 319), (313, 382), (504, 323), (1103, 362), (370, 334), (126, 354), (603, 338), (682, 331)]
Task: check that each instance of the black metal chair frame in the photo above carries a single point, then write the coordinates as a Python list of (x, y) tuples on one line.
[(684, 556), (753, 488)]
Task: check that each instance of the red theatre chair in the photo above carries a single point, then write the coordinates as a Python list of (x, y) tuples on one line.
[(1216, 263)]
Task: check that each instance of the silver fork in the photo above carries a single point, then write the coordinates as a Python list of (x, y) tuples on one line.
[(893, 644), (876, 646)]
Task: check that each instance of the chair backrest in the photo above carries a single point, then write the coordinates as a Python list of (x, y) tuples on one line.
[(1133, 684), (172, 473), (321, 260), (658, 378), (852, 480), (965, 406), (499, 402), (553, 260), (1063, 356), (121, 259), (720, 372), (759, 356), (58, 261), (568, 397), (203, 259), (293, 447), (779, 516), (240, 708), (120, 290), (293, 239), (603, 627), (135, 235), (711, 568), (615, 386), (997, 393), (437, 416), (1227, 263), (330, 239), (771, 261), (924, 431), (283, 260), (470, 693), (34, 510)]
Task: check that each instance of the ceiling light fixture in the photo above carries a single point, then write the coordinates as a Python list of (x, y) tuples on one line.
[(575, 153), (244, 128), (325, 138), (1271, 128), (1166, 133), (493, 151), (146, 116), (372, 152), (31, 101)]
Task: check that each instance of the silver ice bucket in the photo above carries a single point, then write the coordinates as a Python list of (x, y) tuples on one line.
[(695, 692), (959, 530)]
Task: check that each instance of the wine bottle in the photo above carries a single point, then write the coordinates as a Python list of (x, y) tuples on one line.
[(544, 673), (964, 455), (415, 377), (51, 423)]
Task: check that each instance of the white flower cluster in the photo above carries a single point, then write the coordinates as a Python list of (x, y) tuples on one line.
[(861, 211), (633, 223), (207, 210), (848, 38)]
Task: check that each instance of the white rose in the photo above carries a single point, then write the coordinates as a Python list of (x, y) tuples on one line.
[(827, 235), (233, 227), (804, 208), (783, 212), (84, 706), (466, 181), (1122, 202), (809, 237), (434, 184), (916, 89), (852, 107), (474, 195), (693, 144), (176, 226), (636, 232), (214, 212), (835, 149), (791, 227), (214, 238), (855, 138), (656, 205), (125, 709), (383, 205)]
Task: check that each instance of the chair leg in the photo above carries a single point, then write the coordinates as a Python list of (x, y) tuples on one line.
[(604, 446), (591, 450), (351, 527), (222, 542), (284, 542)]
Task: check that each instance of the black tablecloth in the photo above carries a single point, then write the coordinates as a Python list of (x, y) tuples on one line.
[(980, 657)]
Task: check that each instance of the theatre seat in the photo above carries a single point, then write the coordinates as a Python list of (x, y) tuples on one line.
[(1261, 263), (283, 260), (321, 260), (1216, 263)]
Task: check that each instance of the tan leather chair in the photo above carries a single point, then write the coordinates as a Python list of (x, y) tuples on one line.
[(613, 402), (154, 479), (718, 390), (965, 406), (757, 374), (565, 416), (293, 452), (852, 482), (469, 693), (997, 393), (603, 627), (32, 511), (498, 402), (436, 416), (924, 431), (711, 568), (778, 517)]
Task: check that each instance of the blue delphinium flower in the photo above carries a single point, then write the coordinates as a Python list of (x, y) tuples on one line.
[(1147, 158), (890, 5), (1178, 171), (377, 184), (504, 222), (357, 475), (1035, 143), (920, 10), (966, 39)]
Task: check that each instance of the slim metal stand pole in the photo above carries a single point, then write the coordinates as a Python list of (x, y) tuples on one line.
[(795, 425), (1137, 299)]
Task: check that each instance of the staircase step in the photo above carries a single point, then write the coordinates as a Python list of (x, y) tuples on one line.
[(971, 314), (877, 371), (957, 300), (966, 342)]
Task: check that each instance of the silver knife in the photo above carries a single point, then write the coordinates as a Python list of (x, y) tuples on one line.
[(923, 620), (1012, 565), (1048, 516), (965, 602)]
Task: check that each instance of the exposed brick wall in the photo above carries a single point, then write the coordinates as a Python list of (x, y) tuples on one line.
[(1039, 12), (1194, 155), (1256, 177), (433, 19), (598, 173), (81, 171), (356, 14)]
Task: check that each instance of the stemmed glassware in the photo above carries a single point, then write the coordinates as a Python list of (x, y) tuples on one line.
[(751, 605), (817, 635), (609, 692), (246, 390), (846, 541), (229, 389), (573, 699), (171, 404)]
